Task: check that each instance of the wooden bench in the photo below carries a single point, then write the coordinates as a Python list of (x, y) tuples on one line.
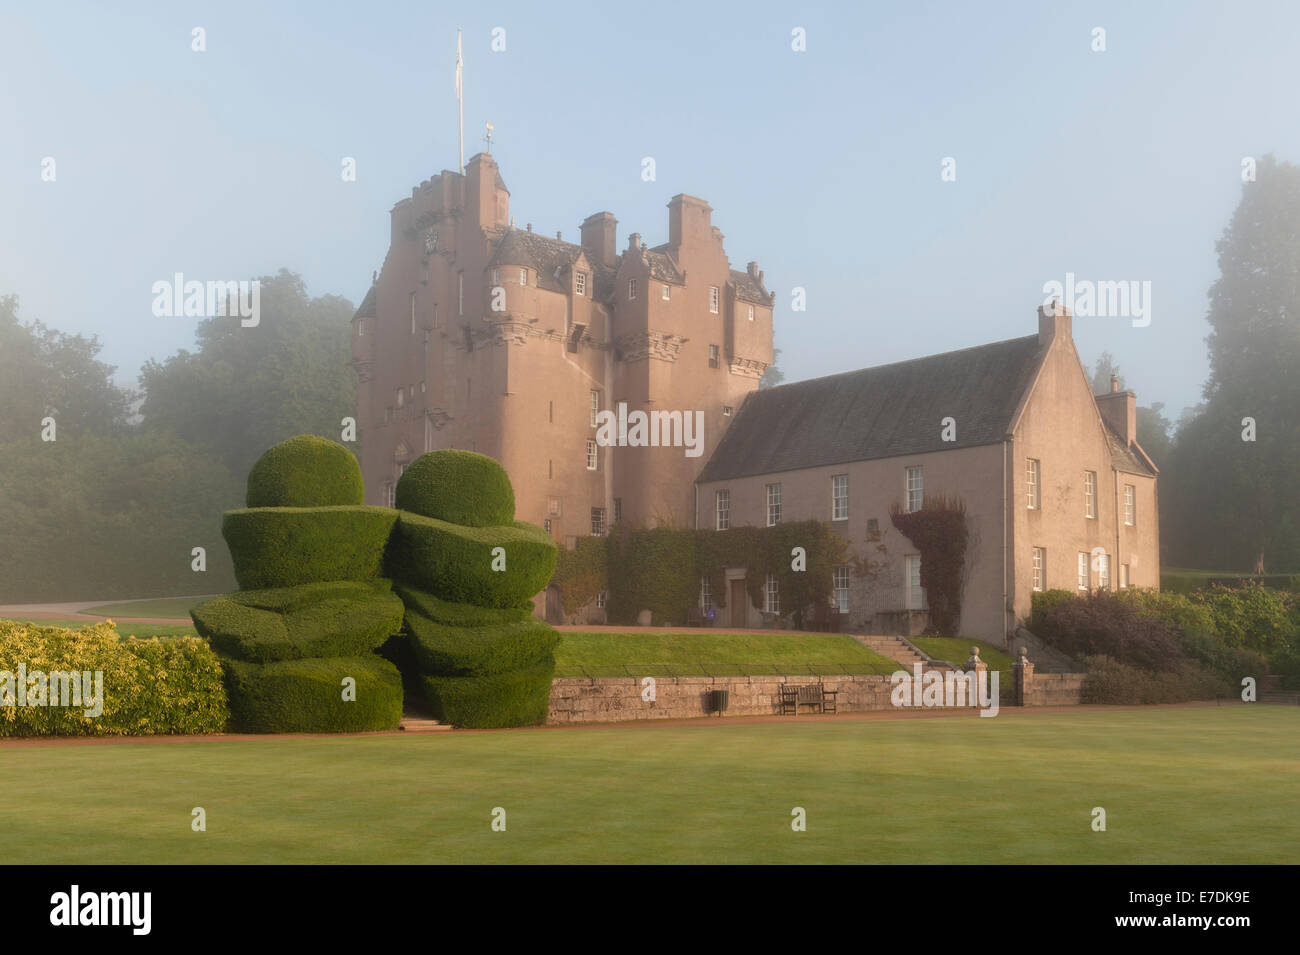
[(809, 695)]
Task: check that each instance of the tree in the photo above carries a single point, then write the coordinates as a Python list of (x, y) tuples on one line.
[(246, 389), (1238, 458), (1101, 372), (774, 375)]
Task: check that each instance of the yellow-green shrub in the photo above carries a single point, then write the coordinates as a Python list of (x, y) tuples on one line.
[(154, 686)]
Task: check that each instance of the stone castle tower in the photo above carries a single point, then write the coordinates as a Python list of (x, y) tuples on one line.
[(483, 337)]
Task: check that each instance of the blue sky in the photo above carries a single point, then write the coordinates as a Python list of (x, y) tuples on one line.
[(823, 165)]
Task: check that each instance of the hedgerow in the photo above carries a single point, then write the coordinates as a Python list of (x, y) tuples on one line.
[(305, 471), (1109, 681), (154, 686), (287, 546), (459, 487)]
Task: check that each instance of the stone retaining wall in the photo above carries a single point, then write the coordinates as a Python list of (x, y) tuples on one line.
[(1055, 689)]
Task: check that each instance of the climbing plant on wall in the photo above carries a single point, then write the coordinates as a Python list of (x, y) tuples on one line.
[(940, 532)]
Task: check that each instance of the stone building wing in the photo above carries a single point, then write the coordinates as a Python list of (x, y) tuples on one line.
[(879, 412)]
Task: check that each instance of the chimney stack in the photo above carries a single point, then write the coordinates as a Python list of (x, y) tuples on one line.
[(598, 237), (1053, 322)]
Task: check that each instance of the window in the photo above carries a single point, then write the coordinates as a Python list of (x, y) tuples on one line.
[(915, 592), (435, 314), (840, 497), (773, 505), (1090, 494), (726, 411), (1085, 572), (841, 587), (460, 293), (597, 522), (361, 328), (595, 406), (601, 599), (713, 299), (771, 595), (412, 313), (580, 283), (553, 506), (523, 276), (1130, 505), (550, 468), (496, 276), (1103, 570), (390, 494), (593, 459), (618, 509), (873, 528), (1123, 577), (547, 524), (722, 510), (631, 288), (401, 397), (666, 294), (1040, 564), (751, 313), (706, 595), (550, 412), (1032, 483), (713, 356), (915, 489)]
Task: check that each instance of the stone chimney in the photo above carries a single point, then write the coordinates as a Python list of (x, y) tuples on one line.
[(598, 236), (1119, 410), (1053, 322), (689, 220)]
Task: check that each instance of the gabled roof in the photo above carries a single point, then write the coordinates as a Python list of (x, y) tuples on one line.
[(369, 305), (663, 267), (538, 252), (880, 412), (749, 288), (1125, 458)]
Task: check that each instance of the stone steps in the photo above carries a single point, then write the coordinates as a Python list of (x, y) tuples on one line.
[(896, 649), (422, 724)]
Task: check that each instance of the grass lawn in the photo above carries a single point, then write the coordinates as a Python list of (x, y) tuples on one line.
[(956, 650), (1179, 785), (127, 629), (161, 607), (714, 654)]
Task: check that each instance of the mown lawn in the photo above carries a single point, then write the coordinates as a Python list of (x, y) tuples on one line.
[(956, 650), (1179, 785), (160, 607), (714, 654)]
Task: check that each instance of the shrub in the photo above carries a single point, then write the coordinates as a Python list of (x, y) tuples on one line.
[(1286, 663), (459, 650), (1252, 616), (458, 614), (1107, 624), (305, 471), (337, 619), (459, 487), (455, 563), (306, 696), (149, 686), (287, 546), (1110, 681), (1042, 603), (518, 698)]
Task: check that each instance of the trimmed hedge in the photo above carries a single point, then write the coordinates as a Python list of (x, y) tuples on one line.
[(459, 487), (1110, 681), (306, 696), (518, 698), (458, 615), (287, 546), (455, 563), (305, 471), (336, 619), (150, 687), (479, 651)]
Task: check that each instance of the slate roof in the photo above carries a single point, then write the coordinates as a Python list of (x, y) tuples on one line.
[(880, 412), (370, 304), (1123, 457), (538, 252), (749, 288)]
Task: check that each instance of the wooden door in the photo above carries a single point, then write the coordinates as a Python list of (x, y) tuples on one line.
[(737, 600)]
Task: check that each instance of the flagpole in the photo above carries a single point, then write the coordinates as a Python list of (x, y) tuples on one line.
[(460, 104)]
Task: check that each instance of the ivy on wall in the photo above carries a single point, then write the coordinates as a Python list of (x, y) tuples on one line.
[(659, 569), (939, 530)]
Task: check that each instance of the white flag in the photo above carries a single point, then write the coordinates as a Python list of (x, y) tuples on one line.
[(458, 63)]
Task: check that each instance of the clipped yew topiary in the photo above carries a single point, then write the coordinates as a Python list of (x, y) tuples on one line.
[(459, 487), (515, 698), (457, 563), (305, 471), (307, 696), (286, 546), (459, 650), (336, 619)]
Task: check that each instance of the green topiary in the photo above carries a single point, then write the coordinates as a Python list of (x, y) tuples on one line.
[(458, 615), (459, 487), (455, 563), (479, 651), (306, 696), (338, 619), (517, 698), (305, 471), (286, 546)]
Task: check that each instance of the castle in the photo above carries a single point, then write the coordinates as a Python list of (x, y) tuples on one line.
[(484, 337)]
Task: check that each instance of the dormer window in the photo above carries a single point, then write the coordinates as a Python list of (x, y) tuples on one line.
[(580, 283)]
